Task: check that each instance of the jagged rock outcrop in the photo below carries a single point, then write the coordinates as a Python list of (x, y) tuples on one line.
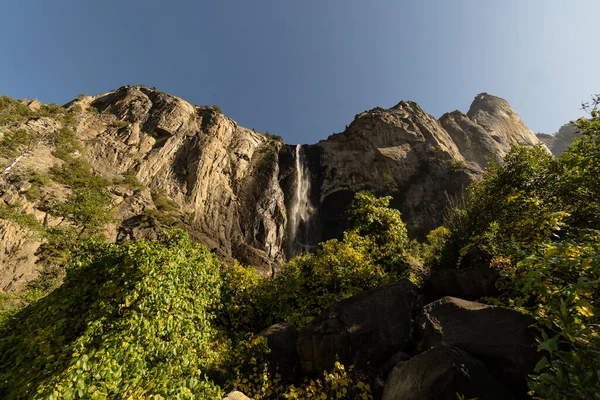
[(559, 142), (401, 151), (488, 130), (222, 175), (233, 187)]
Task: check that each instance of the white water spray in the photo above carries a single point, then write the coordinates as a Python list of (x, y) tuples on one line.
[(301, 209)]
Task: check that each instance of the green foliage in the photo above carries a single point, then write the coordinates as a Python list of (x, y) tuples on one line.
[(562, 281), (514, 203), (78, 174), (244, 296), (536, 220), (339, 383), (249, 369), (273, 137), (163, 202), (382, 227), (120, 124), (13, 111), (217, 109), (431, 250), (66, 144), (87, 208), (38, 182), (18, 216), (128, 321), (18, 142), (312, 282), (372, 253), (130, 179)]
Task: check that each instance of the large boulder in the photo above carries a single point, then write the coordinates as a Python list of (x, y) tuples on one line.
[(281, 339), (501, 338), (364, 329), (465, 283), (441, 373)]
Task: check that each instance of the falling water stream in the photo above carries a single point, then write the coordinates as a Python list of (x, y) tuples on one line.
[(301, 209)]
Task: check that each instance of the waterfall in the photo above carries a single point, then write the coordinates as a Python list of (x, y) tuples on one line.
[(301, 209)]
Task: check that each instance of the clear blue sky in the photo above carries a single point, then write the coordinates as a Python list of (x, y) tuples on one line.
[(302, 69)]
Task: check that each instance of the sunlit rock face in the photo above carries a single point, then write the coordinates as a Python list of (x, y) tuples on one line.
[(401, 151), (246, 195)]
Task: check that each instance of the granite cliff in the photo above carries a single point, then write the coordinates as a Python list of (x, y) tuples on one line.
[(170, 163)]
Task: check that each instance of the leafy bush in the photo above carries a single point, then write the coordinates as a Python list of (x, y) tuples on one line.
[(66, 144), (163, 202), (18, 216), (273, 137), (38, 182), (12, 111), (514, 203), (339, 383), (243, 308), (17, 142), (372, 253), (217, 109), (131, 320), (536, 220), (562, 279), (130, 179)]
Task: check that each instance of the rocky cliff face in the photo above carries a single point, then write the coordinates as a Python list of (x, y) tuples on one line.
[(233, 188), (561, 140), (488, 130), (401, 151)]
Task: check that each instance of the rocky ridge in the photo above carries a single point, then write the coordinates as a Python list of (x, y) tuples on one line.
[(230, 186)]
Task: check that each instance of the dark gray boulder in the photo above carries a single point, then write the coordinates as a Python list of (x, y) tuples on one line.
[(499, 337), (465, 283), (441, 373), (365, 329), (281, 339)]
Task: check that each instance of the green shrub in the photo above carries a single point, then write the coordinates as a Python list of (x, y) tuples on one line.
[(19, 217), (373, 252), (339, 383), (217, 109), (89, 209), (243, 308), (38, 182), (312, 282), (130, 179), (18, 142), (78, 174), (120, 124), (66, 144), (273, 137), (13, 111), (163, 202), (536, 220), (562, 282), (129, 321)]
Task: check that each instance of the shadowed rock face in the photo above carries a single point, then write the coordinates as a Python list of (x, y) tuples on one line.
[(500, 337), (365, 329), (441, 373), (233, 186)]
